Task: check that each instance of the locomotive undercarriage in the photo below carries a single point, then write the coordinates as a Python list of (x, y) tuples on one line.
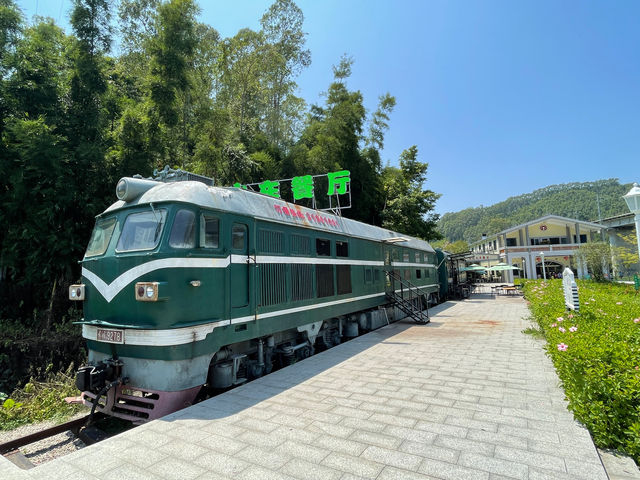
[(128, 397)]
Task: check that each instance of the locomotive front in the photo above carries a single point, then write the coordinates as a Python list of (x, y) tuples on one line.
[(145, 324)]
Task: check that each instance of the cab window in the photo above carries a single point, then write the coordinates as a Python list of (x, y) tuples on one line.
[(183, 232), (100, 237), (141, 231)]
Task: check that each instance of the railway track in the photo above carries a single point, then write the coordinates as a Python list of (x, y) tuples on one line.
[(78, 427)]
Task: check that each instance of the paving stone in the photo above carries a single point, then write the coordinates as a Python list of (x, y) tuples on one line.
[(217, 443), (174, 469), (353, 465), (336, 444), (304, 470), (430, 451), (300, 450), (448, 471), (222, 464), (392, 457), (261, 473)]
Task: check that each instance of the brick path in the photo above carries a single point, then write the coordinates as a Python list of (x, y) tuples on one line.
[(465, 397)]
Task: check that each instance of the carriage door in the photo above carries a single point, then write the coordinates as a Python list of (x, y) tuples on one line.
[(239, 284)]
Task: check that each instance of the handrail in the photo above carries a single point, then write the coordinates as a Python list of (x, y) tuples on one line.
[(407, 305)]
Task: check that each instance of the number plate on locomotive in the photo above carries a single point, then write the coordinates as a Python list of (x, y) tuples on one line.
[(110, 336)]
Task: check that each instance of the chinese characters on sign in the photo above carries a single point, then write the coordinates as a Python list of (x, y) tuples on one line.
[(303, 187)]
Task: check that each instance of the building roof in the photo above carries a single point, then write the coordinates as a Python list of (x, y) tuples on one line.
[(551, 219)]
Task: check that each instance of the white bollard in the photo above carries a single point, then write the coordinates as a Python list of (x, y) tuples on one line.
[(571, 299)]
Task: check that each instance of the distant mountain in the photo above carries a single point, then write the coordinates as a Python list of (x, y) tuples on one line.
[(573, 200)]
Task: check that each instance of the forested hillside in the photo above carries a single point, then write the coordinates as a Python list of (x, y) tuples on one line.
[(75, 116), (573, 200)]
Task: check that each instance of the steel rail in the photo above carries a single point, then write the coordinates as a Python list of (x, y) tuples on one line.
[(73, 425)]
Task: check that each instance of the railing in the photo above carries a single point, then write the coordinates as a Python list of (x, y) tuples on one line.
[(410, 299)]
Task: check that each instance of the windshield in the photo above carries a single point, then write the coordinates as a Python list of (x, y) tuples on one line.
[(141, 231), (100, 237)]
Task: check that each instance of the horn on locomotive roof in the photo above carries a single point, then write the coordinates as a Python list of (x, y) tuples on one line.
[(129, 188)]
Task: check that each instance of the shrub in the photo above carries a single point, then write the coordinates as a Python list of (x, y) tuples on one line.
[(40, 400), (596, 353)]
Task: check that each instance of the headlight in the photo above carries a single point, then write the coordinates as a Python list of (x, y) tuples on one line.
[(76, 292), (146, 291)]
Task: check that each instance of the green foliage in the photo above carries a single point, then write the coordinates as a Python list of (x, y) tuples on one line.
[(597, 256), (40, 400), (407, 204), (600, 368), (573, 200)]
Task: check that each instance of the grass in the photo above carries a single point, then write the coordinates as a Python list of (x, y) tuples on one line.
[(40, 400), (596, 352)]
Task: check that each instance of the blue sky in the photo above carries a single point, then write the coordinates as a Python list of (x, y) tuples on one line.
[(500, 97)]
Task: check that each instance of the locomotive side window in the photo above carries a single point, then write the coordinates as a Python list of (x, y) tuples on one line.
[(418, 272), (100, 237), (183, 232), (417, 258), (342, 249), (141, 231), (323, 247), (238, 235), (209, 231)]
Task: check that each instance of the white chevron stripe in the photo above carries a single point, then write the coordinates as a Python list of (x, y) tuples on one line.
[(109, 291)]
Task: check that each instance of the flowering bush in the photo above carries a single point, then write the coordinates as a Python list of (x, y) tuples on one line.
[(596, 353)]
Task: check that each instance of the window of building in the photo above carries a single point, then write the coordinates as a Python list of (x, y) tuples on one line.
[(418, 273), (511, 242), (183, 232), (342, 249), (405, 257), (417, 257), (323, 247)]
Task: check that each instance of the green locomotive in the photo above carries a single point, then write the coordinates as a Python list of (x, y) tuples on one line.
[(186, 284)]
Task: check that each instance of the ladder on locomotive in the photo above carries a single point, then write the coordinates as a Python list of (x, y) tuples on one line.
[(409, 299)]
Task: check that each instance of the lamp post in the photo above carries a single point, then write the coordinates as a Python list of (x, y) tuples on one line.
[(633, 202), (544, 271)]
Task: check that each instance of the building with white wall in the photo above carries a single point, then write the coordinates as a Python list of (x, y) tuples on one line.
[(551, 241)]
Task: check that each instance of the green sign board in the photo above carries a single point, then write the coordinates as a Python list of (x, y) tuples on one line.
[(303, 186)]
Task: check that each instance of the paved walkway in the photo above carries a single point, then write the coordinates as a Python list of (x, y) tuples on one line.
[(465, 397)]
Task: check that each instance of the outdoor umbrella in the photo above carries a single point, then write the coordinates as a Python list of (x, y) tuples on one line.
[(500, 267)]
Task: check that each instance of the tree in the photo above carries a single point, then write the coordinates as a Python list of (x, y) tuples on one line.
[(39, 70), (408, 206), (10, 27), (597, 256), (285, 58), (171, 52)]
